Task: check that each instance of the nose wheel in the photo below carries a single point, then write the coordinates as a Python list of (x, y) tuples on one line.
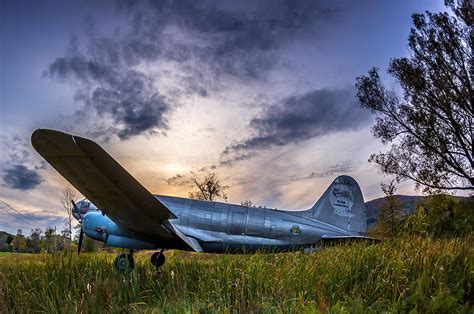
[(158, 259), (124, 262)]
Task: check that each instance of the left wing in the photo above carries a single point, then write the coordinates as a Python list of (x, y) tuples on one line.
[(107, 184)]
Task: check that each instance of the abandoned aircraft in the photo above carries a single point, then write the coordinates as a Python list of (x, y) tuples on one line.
[(121, 212)]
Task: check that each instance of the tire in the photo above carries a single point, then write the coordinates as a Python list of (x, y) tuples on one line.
[(158, 259), (124, 263)]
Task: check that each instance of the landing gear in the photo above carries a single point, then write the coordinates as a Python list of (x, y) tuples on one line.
[(124, 262), (158, 259)]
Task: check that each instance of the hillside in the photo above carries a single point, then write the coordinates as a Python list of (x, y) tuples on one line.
[(409, 205)]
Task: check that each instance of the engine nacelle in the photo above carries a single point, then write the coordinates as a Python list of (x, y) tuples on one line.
[(83, 207), (128, 243), (101, 228)]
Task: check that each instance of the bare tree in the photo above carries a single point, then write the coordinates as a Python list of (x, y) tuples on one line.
[(208, 188), (68, 194), (247, 203), (431, 128)]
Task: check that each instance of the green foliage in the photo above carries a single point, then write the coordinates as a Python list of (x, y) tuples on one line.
[(401, 275), (90, 245), (390, 211), (441, 215), (430, 128), (19, 242)]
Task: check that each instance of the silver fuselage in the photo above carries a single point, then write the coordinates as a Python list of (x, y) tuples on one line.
[(220, 228), (223, 227)]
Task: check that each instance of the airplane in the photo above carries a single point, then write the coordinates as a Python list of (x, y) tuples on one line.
[(122, 213)]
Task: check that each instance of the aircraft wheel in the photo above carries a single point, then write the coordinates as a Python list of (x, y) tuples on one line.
[(158, 259), (124, 262)]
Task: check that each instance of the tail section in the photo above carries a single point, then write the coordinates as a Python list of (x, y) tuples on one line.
[(342, 205)]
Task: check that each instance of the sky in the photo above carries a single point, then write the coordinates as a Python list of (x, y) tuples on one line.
[(260, 92)]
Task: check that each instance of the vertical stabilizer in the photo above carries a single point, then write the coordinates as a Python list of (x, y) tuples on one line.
[(342, 205)]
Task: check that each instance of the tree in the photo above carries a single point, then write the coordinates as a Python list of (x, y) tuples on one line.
[(68, 194), (208, 188), (50, 239), (247, 203), (431, 129), (19, 242), (442, 215), (33, 242), (389, 212)]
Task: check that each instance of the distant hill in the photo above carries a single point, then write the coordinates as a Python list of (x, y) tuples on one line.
[(409, 206)]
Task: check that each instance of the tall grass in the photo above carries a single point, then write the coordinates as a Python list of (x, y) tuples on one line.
[(401, 275)]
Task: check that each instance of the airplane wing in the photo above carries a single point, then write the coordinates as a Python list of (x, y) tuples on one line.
[(101, 179)]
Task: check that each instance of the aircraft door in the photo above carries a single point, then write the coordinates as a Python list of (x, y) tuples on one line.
[(236, 220)]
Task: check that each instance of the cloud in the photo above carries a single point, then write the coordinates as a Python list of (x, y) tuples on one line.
[(335, 169), (124, 79), (14, 219), (187, 179), (17, 151), (178, 180), (299, 118), (18, 177)]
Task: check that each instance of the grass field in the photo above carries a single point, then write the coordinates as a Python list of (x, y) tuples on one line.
[(402, 275)]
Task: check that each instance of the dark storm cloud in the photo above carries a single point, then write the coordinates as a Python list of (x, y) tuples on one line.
[(116, 91), (19, 177), (299, 118), (206, 41)]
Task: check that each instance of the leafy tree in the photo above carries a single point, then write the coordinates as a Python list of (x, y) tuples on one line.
[(441, 215), (9, 239), (19, 242), (390, 211), (431, 129), (50, 239), (208, 188), (33, 242)]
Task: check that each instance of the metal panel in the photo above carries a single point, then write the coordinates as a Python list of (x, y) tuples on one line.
[(255, 224)]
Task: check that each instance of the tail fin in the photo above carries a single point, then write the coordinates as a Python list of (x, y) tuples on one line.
[(342, 205)]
